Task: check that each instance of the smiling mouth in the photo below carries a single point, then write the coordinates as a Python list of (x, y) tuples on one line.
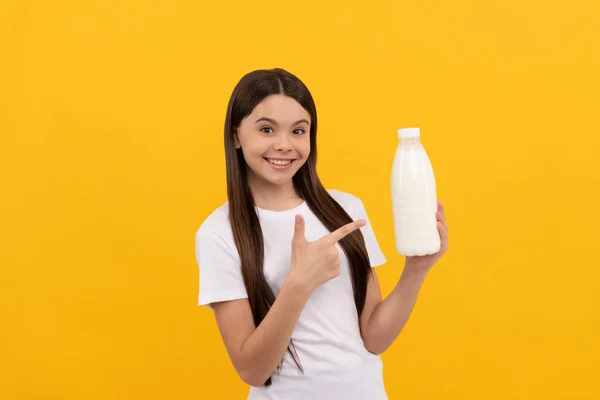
[(279, 162)]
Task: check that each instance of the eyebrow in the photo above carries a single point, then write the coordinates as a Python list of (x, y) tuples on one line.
[(272, 121)]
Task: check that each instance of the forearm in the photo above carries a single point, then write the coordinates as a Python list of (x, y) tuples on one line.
[(264, 349), (390, 316)]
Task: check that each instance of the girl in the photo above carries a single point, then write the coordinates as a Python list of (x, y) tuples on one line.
[(286, 265)]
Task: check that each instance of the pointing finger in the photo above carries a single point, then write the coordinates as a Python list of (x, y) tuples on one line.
[(344, 231)]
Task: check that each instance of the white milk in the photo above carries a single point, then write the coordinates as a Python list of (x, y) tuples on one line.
[(414, 198)]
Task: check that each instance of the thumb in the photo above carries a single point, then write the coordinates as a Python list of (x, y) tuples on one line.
[(299, 237)]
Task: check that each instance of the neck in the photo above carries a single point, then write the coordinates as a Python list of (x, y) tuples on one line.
[(274, 197)]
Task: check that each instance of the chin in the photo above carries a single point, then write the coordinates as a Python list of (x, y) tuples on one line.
[(278, 182)]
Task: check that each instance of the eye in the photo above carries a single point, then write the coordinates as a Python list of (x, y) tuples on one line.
[(298, 131), (266, 129)]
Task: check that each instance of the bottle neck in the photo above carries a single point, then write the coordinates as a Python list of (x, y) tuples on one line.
[(410, 140)]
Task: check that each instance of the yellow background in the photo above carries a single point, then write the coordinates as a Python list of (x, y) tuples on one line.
[(111, 117)]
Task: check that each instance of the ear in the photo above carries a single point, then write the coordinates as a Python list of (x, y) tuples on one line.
[(236, 140)]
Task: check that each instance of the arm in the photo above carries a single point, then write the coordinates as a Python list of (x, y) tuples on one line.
[(382, 321), (257, 351)]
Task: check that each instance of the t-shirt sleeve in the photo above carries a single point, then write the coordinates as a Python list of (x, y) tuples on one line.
[(376, 256), (220, 271)]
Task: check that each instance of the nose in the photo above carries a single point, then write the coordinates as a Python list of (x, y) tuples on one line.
[(282, 143)]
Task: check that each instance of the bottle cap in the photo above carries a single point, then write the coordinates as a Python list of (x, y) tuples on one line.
[(405, 133)]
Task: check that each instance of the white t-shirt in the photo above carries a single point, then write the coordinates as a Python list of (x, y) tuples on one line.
[(327, 335)]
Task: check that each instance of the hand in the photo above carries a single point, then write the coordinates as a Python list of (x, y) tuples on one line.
[(424, 263), (314, 263)]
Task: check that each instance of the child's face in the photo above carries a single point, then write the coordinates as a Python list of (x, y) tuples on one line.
[(275, 139)]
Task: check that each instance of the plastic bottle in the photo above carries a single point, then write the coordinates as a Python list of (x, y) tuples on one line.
[(414, 198)]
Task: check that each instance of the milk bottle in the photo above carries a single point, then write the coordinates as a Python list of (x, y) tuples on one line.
[(414, 200)]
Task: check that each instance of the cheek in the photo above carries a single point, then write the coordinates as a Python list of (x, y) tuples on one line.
[(250, 147), (253, 154), (303, 148)]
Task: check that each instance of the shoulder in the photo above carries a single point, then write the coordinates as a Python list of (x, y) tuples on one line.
[(216, 225), (350, 202)]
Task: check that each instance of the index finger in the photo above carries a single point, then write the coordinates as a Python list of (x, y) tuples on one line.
[(344, 231)]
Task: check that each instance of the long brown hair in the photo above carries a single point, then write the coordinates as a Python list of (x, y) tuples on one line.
[(247, 233)]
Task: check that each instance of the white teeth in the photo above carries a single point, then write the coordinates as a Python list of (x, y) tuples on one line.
[(280, 162)]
